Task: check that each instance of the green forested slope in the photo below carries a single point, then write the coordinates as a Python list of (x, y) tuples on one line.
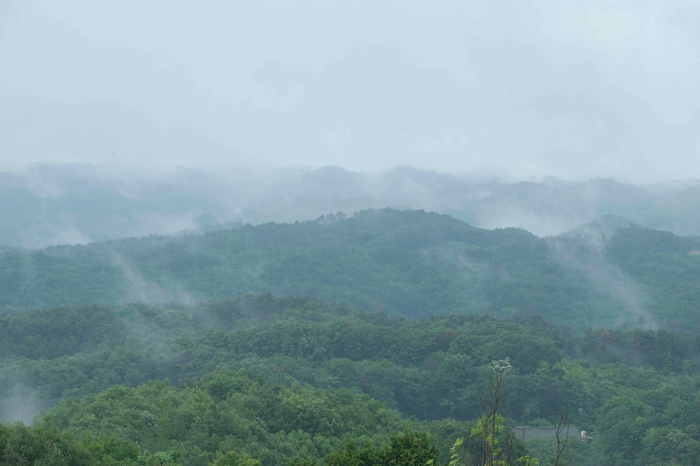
[(668, 266), (408, 263), (245, 371)]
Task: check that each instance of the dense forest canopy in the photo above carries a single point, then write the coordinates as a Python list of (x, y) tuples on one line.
[(285, 378), (364, 339), (409, 263)]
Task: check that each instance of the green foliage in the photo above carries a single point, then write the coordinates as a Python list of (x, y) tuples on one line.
[(411, 449), (20, 445), (455, 452), (488, 430), (227, 411), (46, 445), (110, 450), (351, 455), (263, 380), (409, 263), (667, 264), (232, 458), (663, 446), (241, 376), (407, 449)]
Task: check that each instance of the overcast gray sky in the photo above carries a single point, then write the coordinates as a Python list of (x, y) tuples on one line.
[(560, 87)]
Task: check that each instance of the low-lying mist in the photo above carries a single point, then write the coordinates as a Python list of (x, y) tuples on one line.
[(19, 402), (584, 249)]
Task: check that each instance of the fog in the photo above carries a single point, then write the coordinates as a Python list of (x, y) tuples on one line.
[(585, 250), (140, 290), (50, 204), (20, 404), (564, 88)]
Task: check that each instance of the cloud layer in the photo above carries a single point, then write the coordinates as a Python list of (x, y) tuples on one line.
[(567, 88)]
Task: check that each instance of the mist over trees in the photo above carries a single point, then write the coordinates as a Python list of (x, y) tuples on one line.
[(408, 263)]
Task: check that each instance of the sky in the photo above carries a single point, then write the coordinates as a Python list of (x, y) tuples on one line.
[(566, 88)]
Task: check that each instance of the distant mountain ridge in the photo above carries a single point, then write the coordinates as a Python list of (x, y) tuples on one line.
[(45, 205)]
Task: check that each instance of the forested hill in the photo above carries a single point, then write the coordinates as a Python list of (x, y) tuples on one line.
[(284, 378), (409, 263)]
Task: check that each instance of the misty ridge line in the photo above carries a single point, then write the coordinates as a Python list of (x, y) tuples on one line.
[(373, 259), (78, 203)]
